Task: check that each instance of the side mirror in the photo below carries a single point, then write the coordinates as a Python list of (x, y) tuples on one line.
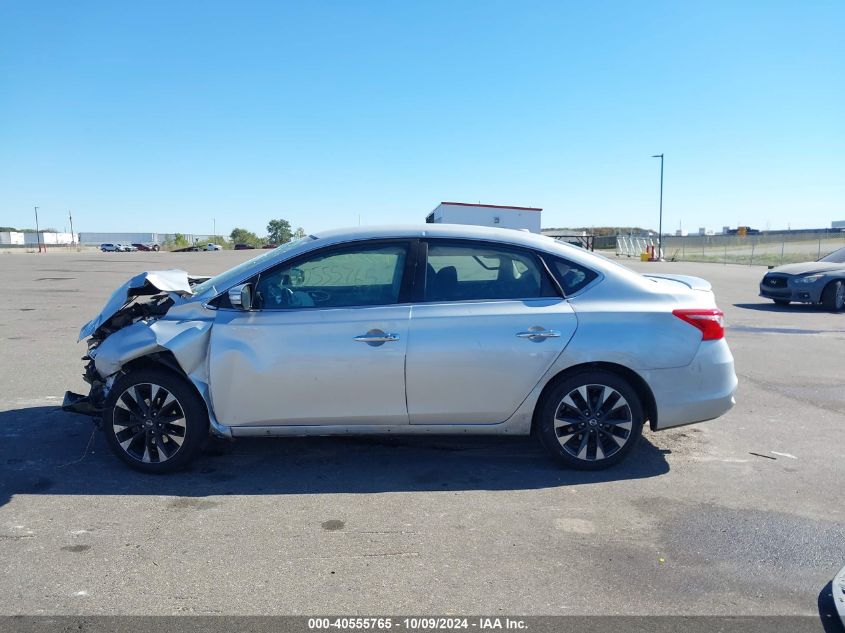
[(241, 296)]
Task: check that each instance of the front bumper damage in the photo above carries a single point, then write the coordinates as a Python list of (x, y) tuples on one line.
[(84, 405), (92, 404)]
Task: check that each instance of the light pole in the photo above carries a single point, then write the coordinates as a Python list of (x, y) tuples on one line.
[(660, 227), (37, 233)]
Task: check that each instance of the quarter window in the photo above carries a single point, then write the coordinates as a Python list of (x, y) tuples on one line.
[(363, 275), (570, 276), (475, 272)]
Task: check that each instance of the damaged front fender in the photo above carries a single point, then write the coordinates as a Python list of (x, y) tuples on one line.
[(187, 340), (168, 318), (184, 332), (123, 346)]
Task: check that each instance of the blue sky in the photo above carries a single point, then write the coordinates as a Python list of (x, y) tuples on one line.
[(162, 116)]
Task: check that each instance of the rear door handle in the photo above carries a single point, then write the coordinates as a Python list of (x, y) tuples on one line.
[(538, 334), (375, 338)]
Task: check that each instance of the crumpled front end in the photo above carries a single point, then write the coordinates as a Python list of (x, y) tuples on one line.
[(151, 318), (144, 284)]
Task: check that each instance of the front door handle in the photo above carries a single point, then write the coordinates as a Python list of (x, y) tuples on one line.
[(374, 338), (538, 334)]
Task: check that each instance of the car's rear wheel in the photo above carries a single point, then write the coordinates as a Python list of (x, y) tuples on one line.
[(833, 296), (781, 302), (590, 420), (154, 420)]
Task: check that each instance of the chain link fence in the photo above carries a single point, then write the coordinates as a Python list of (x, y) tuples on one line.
[(764, 249)]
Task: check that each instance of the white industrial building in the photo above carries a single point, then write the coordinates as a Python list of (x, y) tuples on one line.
[(31, 238), (11, 238), (526, 218)]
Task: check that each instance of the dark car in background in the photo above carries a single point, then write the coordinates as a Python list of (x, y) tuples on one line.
[(244, 247), (808, 282), (146, 247)]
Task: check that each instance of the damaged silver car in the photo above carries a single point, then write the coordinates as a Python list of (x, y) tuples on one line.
[(433, 329)]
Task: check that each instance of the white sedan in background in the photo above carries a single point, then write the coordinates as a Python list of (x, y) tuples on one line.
[(433, 329), (213, 247)]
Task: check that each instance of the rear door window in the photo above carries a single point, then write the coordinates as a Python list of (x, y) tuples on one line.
[(472, 272)]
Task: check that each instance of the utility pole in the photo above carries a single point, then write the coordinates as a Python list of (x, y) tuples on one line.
[(214, 220), (72, 236), (37, 232), (660, 227)]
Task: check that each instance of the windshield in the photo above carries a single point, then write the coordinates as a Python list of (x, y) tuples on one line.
[(224, 279), (836, 257)]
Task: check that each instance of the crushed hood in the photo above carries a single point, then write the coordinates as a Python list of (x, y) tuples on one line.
[(146, 283)]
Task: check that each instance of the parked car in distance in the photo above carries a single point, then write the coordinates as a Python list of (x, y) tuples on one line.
[(436, 329), (268, 246), (244, 247), (146, 247), (809, 282), (126, 248), (110, 248), (213, 247)]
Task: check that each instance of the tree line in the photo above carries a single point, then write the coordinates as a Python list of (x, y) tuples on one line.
[(279, 231)]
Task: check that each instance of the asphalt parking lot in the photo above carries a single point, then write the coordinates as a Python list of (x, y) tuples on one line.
[(741, 515)]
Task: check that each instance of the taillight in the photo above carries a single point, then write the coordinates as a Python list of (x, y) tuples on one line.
[(711, 322)]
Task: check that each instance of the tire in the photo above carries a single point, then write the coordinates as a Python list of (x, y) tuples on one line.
[(833, 296), (782, 302), (158, 440), (156, 247), (592, 442)]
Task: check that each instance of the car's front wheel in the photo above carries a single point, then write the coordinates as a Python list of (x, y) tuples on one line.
[(590, 420), (154, 420), (833, 296)]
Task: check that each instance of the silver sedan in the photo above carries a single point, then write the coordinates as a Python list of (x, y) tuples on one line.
[(433, 329)]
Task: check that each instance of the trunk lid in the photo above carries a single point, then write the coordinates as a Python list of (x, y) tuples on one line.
[(693, 283)]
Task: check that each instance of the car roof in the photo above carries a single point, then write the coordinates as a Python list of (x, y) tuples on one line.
[(455, 231), (473, 232)]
